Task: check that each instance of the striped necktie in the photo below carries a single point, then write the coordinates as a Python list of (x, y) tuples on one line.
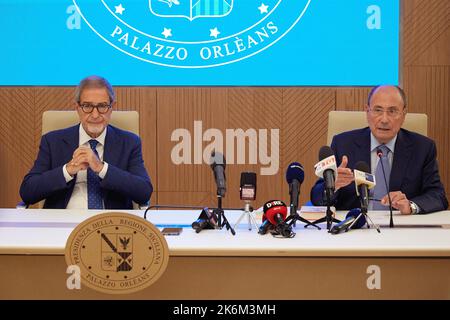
[(95, 200), (380, 190)]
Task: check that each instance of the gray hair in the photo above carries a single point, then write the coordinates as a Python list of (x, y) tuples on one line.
[(400, 91), (95, 82)]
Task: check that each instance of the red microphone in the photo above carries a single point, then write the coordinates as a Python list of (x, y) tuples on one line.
[(275, 212)]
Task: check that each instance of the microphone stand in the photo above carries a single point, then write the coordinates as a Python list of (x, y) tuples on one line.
[(248, 211), (217, 211), (294, 192), (366, 215), (391, 222), (221, 215), (294, 216), (329, 214)]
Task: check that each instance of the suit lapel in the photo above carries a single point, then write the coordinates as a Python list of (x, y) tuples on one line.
[(110, 149), (402, 155), (72, 140), (111, 155), (363, 148)]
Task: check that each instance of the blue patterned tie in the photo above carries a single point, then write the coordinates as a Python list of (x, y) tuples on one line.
[(95, 200), (380, 189)]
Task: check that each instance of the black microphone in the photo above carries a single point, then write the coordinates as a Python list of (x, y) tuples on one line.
[(294, 176), (326, 168), (218, 166), (352, 215), (247, 189), (380, 154), (206, 220), (363, 182)]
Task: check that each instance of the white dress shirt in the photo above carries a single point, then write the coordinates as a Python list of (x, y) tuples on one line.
[(79, 198)]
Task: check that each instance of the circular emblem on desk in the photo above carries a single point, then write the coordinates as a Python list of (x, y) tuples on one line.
[(192, 34), (117, 253)]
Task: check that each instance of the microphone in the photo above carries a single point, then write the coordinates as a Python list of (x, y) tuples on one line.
[(265, 226), (327, 170), (218, 166), (275, 212), (380, 154), (363, 182), (354, 220), (294, 177), (247, 190), (206, 220)]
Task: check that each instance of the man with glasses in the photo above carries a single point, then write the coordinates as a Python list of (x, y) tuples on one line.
[(409, 160), (92, 165)]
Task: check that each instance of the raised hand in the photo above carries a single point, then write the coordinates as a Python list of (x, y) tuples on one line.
[(345, 175)]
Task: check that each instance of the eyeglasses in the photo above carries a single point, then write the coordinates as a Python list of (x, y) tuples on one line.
[(391, 112), (89, 107)]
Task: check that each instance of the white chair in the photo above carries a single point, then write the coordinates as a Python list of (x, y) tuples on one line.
[(54, 120), (340, 121)]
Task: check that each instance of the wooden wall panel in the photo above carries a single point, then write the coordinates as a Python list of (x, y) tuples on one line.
[(178, 109), (351, 99), (17, 135), (299, 113), (146, 105), (426, 71), (431, 87), (425, 23), (305, 120), (257, 109), (142, 100)]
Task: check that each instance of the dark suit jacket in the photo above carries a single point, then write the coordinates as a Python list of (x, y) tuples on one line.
[(125, 181), (414, 170)]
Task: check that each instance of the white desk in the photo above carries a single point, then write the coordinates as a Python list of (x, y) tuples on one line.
[(414, 262)]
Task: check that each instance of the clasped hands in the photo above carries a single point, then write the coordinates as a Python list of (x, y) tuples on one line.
[(83, 158), (345, 176)]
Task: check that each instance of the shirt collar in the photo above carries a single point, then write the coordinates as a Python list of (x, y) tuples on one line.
[(374, 143), (84, 137)]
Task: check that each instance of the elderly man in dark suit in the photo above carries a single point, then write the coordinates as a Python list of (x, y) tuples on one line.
[(92, 165), (409, 160)]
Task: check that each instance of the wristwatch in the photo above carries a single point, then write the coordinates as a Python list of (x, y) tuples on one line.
[(414, 207)]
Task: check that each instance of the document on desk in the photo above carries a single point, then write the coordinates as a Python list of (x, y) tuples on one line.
[(312, 213)]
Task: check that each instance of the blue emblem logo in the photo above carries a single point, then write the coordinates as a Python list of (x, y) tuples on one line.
[(192, 33)]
